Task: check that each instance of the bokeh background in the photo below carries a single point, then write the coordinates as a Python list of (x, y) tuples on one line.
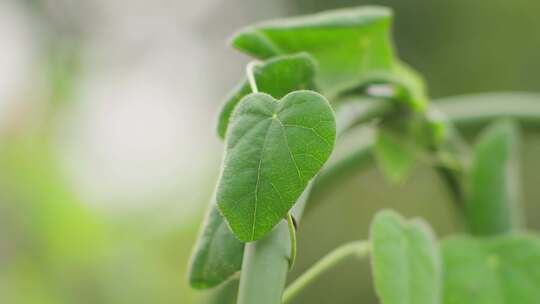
[(108, 155)]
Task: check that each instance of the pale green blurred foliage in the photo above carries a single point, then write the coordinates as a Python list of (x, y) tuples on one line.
[(57, 247)]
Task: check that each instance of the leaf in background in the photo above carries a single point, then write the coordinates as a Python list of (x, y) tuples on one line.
[(406, 86), (346, 43), (393, 154), (412, 86), (406, 262), (400, 142), (493, 185), (273, 149), (276, 77), (217, 254), (496, 270)]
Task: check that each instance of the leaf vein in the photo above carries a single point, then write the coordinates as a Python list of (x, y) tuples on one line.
[(290, 152), (308, 128), (258, 180)]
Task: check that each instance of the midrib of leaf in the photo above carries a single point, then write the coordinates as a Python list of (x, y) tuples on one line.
[(259, 177), (283, 126)]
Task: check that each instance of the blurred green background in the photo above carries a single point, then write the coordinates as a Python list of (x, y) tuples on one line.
[(107, 148)]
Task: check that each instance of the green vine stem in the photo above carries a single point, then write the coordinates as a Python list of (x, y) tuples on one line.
[(479, 109), (358, 249), (292, 236), (265, 264), (250, 74)]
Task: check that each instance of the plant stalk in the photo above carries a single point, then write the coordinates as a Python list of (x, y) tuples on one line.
[(359, 249), (292, 236), (266, 262)]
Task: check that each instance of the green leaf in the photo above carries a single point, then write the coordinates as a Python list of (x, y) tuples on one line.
[(402, 139), (493, 183), (496, 270), (394, 154), (406, 262), (346, 43), (217, 254), (273, 149), (404, 83), (276, 77), (411, 85)]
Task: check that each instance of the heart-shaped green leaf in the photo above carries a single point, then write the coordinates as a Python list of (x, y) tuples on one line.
[(493, 193), (276, 77), (217, 254), (406, 262), (496, 270), (273, 149), (346, 43)]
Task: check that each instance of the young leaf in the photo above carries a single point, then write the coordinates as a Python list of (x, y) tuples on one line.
[(406, 263), (493, 193), (400, 142), (496, 270), (346, 43), (273, 149), (406, 84), (217, 254), (276, 77), (393, 153)]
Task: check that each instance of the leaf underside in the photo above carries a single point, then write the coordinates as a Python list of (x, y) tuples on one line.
[(273, 149), (496, 270), (217, 254), (406, 263)]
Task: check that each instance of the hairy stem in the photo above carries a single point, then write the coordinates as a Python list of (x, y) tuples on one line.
[(359, 249)]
